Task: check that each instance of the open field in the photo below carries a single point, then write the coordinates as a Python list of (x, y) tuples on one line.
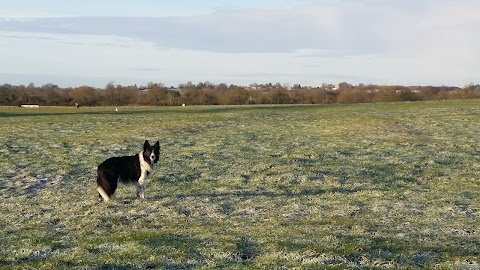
[(272, 187)]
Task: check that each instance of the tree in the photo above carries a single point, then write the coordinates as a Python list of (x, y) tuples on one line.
[(314, 96), (191, 96), (234, 96), (442, 95), (330, 97), (51, 96), (157, 97), (222, 86), (210, 97), (7, 95), (408, 95), (344, 86), (386, 94), (85, 96), (279, 96), (426, 93), (200, 85), (120, 95), (351, 96)]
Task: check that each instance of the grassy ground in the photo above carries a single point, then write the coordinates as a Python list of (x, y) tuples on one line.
[(274, 187)]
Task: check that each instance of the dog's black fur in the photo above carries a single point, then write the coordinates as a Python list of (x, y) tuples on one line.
[(127, 169)]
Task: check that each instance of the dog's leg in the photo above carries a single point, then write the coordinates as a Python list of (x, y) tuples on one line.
[(139, 190), (103, 194), (143, 190), (140, 185)]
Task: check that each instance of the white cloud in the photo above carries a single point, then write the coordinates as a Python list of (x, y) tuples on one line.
[(407, 42), (283, 29)]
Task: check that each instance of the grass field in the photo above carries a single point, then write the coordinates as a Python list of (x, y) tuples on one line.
[(250, 187)]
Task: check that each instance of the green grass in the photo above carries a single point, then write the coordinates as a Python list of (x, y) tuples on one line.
[(247, 187)]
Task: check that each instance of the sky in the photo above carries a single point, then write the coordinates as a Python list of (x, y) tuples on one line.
[(307, 42)]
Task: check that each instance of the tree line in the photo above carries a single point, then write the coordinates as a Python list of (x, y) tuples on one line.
[(205, 93)]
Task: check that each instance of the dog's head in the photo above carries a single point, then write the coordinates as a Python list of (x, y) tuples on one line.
[(151, 154)]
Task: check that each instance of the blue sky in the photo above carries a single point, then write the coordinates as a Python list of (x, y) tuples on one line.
[(73, 43)]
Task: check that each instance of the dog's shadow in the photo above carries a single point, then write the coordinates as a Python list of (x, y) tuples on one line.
[(253, 193), (234, 193), (243, 194)]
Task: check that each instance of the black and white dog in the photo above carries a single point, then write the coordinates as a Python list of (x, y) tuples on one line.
[(127, 169)]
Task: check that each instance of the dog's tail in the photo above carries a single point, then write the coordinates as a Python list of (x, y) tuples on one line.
[(103, 194), (103, 188)]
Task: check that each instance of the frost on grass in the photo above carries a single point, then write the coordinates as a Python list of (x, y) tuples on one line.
[(360, 186)]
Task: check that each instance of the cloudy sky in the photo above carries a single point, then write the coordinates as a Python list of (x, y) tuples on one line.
[(73, 43)]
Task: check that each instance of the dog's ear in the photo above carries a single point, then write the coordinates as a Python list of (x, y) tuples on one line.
[(146, 145), (157, 145)]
